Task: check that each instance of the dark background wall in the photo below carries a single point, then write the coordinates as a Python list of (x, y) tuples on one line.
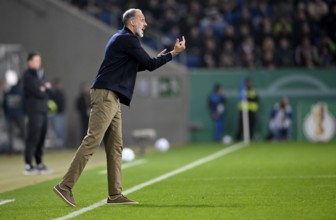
[(72, 45)]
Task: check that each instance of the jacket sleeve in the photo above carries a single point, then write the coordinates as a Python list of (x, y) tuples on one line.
[(134, 49), (32, 88)]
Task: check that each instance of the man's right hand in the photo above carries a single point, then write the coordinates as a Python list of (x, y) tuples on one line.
[(179, 47)]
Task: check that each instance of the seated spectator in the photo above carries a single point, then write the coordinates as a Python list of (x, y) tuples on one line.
[(283, 29), (306, 54), (268, 59), (228, 57), (328, 23), (248, 52), (209, 53), (229, 35), (317, 9), (327, 51), (281, 121), (214, 20), (285, 54), (266, 31)]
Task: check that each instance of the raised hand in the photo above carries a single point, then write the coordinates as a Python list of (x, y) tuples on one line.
[(179, 47)]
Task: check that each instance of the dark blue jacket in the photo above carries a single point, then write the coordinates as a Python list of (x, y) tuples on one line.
[(124, 57), (13, 102)]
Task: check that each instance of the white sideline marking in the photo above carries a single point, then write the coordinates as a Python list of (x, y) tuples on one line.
[(192, 165), (3, 202), (127, 165), (280, 177)]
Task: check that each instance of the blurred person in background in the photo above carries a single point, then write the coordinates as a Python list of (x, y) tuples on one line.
[(281, 121), (284, 54), (268, 53), (228, 57), (216, 104), (14, 112), (306, 54), (252, 108), (57, 119), (83, 107), (248, 52), (36, 96)]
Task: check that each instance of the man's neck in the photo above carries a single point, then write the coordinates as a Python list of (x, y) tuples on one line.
[(131, 29)]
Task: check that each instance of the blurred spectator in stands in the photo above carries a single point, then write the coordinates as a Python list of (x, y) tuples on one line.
[(228, 57), (243, 32), (57, 120), (14, 113), (268, 55), (280, 124), (216, 104), (285, 54), (306, 54), (300, 26), (230, 13), (248, 52), (169, 20), (83, 107), (170, 36), (245, 19), (193, 14), (329, 23), (109, 13), (194, 50), (252, 100), (259, 10), (213, 20), (283, 29), (266, 31), (327, 51), (229, 35), (209, 50), (317, 9), (155, 9), (209, 54)]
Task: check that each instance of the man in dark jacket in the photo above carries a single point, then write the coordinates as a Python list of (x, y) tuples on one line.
[(35, 91), (114, 84)]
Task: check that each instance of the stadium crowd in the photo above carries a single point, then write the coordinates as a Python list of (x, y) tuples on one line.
[(234, 34)]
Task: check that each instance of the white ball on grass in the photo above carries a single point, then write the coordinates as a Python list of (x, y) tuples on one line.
[(227, 139), (128, 155), (162, 144)]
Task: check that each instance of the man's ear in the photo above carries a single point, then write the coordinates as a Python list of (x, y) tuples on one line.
[(132, 22)]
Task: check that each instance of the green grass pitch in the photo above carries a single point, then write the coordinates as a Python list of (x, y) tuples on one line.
[(261, 181)]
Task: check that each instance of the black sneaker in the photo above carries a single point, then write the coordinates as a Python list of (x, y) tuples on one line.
[(30, 170), (43, 169)]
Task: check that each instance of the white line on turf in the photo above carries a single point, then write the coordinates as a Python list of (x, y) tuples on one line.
[(187, 167), (3, 202), (127, 165), (280, 177)]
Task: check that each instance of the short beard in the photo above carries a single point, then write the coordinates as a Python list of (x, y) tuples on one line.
[(139, 32)]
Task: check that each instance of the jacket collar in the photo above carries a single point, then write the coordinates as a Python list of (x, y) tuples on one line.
[(127, 30)]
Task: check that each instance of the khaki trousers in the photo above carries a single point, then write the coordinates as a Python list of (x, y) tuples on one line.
[(104, 125)]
